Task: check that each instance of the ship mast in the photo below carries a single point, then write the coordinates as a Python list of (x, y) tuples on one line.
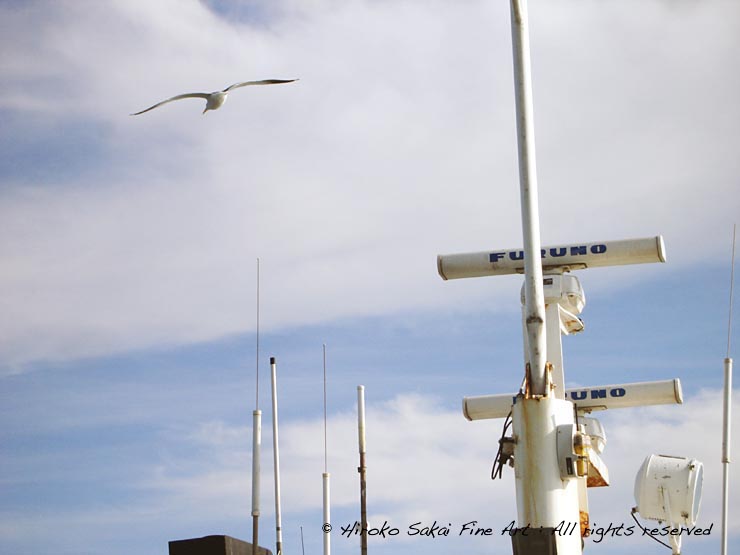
[(554, 449), (543, 498)]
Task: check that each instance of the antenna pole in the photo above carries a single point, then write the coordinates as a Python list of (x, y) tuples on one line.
[(544, 498), (326, 457), (256, 436), (326, 478), (362, 469), (727, 408), (276, 460), (732, 287), (726, 451), (534, 300), (257, 349), (303, 547), (256, 441)]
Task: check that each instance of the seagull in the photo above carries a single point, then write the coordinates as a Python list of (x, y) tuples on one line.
[(216, 99)]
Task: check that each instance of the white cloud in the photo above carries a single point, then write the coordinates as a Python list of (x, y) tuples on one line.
[(396, 144), (426, 463)]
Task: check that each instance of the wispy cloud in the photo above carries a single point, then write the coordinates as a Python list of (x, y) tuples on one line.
[(397, 144), (425, 463)]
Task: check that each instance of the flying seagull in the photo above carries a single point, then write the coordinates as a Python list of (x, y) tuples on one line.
[(216, 99)]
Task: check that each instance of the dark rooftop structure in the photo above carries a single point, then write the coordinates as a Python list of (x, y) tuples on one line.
[(214, 545)]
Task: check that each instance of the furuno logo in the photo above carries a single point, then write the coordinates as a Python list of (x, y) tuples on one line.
[(586, 394), (553, 252), (601, 393)]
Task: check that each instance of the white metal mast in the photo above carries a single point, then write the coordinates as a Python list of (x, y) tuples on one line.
[(362, 469), (326, 478), (727, 408), (544, 499), (276, 460), (256, 436), (534, 300), (555, 457)]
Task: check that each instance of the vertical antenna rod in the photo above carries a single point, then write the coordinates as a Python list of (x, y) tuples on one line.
[(257, 350), (534, 298), (256, 436), (303, 547), (326, 458), (325, 478), (732, 287), (727, 408), (543, 498), (362, 469), (276, 460), (256, 441)]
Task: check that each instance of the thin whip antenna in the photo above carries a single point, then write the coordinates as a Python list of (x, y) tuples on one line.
[(256, 436), (257, 394), (726, 414), (326, 480), (326, 457), (303, 547), (732, 287)]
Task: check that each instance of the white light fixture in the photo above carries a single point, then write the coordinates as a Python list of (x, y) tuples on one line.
[(668, 489), (595, 431)]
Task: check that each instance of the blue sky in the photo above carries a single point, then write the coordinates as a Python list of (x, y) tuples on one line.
[(129, 245)]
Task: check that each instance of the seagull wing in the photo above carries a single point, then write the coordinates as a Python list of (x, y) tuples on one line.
[(263, 82), (178, 97)]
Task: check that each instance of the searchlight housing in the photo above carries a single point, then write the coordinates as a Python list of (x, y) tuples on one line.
[(668, 489)]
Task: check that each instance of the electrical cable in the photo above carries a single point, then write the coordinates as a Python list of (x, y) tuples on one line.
[(501, 459)]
